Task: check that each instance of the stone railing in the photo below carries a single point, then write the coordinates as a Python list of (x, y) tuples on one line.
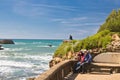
[(57, 72)]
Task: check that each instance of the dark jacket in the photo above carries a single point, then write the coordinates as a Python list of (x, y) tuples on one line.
[(88, 58)]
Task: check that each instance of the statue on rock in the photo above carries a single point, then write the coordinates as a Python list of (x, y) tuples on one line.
[(70, 37)]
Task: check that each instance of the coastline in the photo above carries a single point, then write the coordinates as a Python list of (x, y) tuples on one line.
[(26, 58), (62, 69), (113, 46)]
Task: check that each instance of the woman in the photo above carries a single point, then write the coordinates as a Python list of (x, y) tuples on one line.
[(77, 67)]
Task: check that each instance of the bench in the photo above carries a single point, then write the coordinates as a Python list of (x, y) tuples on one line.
[(112, 67), (109, 60)]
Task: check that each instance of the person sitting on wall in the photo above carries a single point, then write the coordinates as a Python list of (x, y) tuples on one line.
[(77, 67), (87, 61)]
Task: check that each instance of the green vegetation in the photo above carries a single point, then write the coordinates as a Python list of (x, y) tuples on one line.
[(112, 22), (98, 40)]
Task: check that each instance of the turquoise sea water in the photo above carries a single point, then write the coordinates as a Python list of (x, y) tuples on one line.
[(26, 58)]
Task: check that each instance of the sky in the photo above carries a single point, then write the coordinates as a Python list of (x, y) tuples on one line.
[(53, 19)]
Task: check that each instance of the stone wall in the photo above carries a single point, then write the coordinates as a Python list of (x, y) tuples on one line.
[(57, 72)]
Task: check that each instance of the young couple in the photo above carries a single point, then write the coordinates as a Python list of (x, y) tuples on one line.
[(84, 60)]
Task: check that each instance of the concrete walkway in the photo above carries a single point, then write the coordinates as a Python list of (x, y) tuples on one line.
[(95, 76)]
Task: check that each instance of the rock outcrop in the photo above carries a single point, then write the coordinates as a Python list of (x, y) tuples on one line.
[(1, 47), (6, 41), (56, 60), (114, 46)]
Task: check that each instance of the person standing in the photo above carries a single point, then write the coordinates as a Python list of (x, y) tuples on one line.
[(70, 37)]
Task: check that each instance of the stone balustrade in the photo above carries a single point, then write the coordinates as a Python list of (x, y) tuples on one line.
[(57, 72)]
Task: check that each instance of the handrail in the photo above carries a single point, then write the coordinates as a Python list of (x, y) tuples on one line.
[(57, 72)]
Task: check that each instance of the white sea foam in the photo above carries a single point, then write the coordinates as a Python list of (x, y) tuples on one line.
[(6, 49), (36, 42), (42, 57), (15, 64), (20, 43), (38, 57), (7, 54), (5, 69), (15, 49), (46, 46), (25, 59), (3, 54)]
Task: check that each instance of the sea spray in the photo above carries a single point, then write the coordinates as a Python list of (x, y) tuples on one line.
[(27, 58)]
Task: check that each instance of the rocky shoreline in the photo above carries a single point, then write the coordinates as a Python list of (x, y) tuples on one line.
[(114, 46)]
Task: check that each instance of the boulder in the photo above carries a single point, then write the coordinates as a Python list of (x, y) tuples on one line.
[(115, 37), (31, 78), (1, 47), (6, 41), (55, 61), (114, 46), (69, 55)]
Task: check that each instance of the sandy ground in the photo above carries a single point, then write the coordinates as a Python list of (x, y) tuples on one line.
[(95, 76)]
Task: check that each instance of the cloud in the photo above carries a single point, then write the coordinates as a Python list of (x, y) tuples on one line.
[(80, 18), (70, 20), (80, 33), (27, 8), (78, 21), (83, 24), (60, 7), (57, 20)]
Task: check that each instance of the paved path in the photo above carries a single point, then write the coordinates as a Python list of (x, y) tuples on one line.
[(97, 76)]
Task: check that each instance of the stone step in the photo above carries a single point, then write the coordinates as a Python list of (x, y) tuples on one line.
[(101, 70), (72, 76)]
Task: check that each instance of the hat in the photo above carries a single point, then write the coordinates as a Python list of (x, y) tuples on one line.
[(84, 50)]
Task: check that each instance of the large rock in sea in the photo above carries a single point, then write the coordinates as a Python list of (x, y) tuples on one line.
[(6, 41), (1, 47)]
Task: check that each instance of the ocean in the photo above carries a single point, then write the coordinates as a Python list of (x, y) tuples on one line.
[(26, 58)]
